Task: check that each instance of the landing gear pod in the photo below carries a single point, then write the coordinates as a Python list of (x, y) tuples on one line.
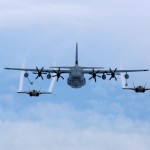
[(104, 77), (126, 77), (49, 76), (26, 75)]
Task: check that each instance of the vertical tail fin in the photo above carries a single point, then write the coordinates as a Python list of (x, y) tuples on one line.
[(133, 85), (76, 61), (145, 85)]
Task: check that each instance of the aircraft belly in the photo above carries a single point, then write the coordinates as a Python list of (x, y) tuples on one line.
[(76, 83)]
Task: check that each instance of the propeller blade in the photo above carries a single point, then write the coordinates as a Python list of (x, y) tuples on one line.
[(115, 70), (97, 71), (39, 72), (37, 69), (58, 74), (54, 76), (42, 77), (113, 74), (90, 78), (57, 79), (94, 74), (36, 77), (62, 77), (42, 69), (98, 76), (55, 71)]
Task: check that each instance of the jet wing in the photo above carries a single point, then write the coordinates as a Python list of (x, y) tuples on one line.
[(110, 71), (45, 93), (22, 92), (43, 71), (128, 88), (147, 89)]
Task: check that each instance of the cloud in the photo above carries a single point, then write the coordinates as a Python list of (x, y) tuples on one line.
[(59, 129), (36, 136), (85, 14), (101, 116)]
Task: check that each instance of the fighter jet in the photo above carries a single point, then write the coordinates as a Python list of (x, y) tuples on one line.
[(138, 89), (34, 93), (76, 73)]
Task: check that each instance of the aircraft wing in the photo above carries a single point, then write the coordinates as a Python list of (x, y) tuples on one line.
[(67, 70), (85, 70), (147, 89), (22, 92), (128, 88), (45, 93), (110, 71)]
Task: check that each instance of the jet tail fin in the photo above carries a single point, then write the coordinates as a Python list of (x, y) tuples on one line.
[(145, 85), (76, 59)]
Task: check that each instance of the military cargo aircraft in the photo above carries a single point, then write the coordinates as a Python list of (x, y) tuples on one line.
[(76, 73), (34, 93)]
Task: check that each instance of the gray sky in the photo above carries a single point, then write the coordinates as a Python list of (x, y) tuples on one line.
[(97, 116)]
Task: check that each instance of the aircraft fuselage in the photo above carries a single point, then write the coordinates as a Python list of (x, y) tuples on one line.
[(34, 93), (140, 89), (76, 77)]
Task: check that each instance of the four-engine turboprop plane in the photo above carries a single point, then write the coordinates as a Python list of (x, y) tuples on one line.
[(34, 93), (138, 89), (76, 73)]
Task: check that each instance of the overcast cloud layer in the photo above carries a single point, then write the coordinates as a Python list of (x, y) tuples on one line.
[(97, 116)]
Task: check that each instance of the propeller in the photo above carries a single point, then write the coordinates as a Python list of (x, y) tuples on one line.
[(94, 75), (113, 73), (39, 72), (58, 74)]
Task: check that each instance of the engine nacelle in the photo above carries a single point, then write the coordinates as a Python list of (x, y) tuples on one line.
[(48, 76), (26, 75), (103, 76), (126, 76)]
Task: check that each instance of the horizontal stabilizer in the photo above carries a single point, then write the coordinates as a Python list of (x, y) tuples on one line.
[(128, 88), (93, 67), (65, 67)]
